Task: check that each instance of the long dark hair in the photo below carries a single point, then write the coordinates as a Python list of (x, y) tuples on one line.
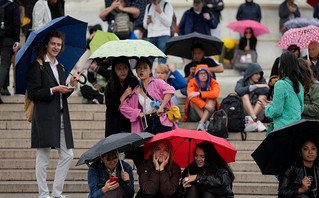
[(298, 156), (307, 74), (43, 47), (213, 161), (114, 82), (289, 67)]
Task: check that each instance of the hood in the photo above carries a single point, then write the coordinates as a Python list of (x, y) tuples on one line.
[(205, 68), (249, 2), (251, 69)]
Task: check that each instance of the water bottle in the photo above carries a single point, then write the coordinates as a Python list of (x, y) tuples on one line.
[(112, 25)]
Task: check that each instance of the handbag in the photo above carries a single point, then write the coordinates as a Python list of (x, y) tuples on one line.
[(173, 113)]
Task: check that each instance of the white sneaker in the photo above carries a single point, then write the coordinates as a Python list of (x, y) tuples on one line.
[(201, 126), (251, 126), (261, 127)]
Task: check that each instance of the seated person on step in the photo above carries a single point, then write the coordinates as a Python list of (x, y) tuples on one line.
[(251, 88), (159, 175), (103, 169), (202, 92), (198, 53)]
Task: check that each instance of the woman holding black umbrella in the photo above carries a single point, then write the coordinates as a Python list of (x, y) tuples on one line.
[(301, 178), (208, 176)]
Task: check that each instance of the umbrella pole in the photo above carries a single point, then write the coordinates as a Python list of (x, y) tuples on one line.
[(189, 152), (307, 54), (118, 155)]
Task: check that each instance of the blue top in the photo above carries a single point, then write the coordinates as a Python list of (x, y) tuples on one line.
[(97, 174), (206, 61), (178, 81), (249, 10)]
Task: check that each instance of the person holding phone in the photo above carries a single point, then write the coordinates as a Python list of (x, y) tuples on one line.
[(159, 175), (106, 178)]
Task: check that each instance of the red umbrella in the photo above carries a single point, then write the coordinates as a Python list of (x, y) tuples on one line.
[(240, 26), (312, 2), (184, 142), (299, 36)]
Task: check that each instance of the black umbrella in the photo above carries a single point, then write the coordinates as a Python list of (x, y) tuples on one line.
[(181, 46), (121, 142), (280, 147)]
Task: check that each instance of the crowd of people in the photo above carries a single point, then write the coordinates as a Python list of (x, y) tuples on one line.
[(140, 103)]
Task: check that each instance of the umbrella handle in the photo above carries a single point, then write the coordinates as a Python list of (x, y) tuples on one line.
[(85, 79)]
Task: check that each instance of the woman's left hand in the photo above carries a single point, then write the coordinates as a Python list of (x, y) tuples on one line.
[(159, 111), (125, 176), (188, 180), (262, 103), (76, 76), (164, 163)]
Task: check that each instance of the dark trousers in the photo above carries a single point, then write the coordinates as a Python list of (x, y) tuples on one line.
[(6, 53), (194, 191), (140, 194), (154, 124), (89, 93)]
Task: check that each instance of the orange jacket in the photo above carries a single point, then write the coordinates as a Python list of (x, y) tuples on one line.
[(212, 90)]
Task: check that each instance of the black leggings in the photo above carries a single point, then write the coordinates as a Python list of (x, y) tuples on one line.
[(194, 191)]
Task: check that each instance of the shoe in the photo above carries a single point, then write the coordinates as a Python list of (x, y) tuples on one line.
[(201, 126), (61, 196), (95, 101), (206, 124), (261, 127), (251, 126)]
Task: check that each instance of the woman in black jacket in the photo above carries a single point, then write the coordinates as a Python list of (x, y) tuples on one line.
[(248, 41), (208, 176), (300, 180)]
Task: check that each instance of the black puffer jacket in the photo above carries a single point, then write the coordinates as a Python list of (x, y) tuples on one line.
[(291, 181)]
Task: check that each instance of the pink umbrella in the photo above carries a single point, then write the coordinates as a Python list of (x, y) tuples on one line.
[(240, 26), (299, 36)]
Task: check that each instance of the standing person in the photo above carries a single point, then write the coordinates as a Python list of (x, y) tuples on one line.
[(287, 10), (249, 10), (248, 41), (157, 21), (300, 180), (215, 6), (313, 60), (159, 174), (208, 176), (202, 94), (56, 8), (100, 173), (197, 19), (251, 88), (41, 14), (9, 40), (316, 11), (51, 127), (288, 100)]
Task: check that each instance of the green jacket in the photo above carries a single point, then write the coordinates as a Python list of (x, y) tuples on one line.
[(311, 106), (287, 106)]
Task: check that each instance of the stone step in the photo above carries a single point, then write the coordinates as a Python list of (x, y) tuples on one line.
[(254, 177), (244, 166)]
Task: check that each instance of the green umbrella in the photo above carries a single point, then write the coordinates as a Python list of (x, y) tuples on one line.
[(129, 49), (100, 38)]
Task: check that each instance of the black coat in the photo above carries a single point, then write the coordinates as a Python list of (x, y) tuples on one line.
[(291, 180), (46, 119), (12, 20)]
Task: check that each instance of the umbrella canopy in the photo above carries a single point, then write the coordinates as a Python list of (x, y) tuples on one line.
[(279, 148), (100, 38), (184, 142), (181, 46), (74, 31), (301, 22), (299, 36), (240, 26), (312, 2), (129, 49), (121, 142)]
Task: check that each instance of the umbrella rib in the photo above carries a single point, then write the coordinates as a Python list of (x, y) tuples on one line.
[(180, 144)]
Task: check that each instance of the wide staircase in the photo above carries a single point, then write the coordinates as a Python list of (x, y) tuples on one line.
[(17, 166)]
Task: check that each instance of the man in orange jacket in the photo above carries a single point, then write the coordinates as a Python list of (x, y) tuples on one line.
[(202, 93)]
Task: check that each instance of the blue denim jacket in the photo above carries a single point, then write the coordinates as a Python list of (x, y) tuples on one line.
[(98, 174)]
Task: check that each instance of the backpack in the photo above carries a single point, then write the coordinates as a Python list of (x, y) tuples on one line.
[(218, 124), (233, 106), (2, 25), (122, 25), (174, 19)]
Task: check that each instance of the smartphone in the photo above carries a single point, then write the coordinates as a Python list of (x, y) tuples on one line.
[(116, 179), (144, 122)]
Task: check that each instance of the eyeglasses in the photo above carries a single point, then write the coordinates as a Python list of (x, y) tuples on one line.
[(202, 73), (248, 32)]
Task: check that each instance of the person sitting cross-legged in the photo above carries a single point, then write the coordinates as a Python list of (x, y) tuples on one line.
[(202, 92), (251, 88)]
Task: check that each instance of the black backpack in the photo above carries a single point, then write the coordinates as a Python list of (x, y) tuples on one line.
[(218, 124), (2, 24), (233, 106), (122, 26)]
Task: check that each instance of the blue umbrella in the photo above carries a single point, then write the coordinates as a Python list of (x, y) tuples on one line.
[(301, 22), (75, 45)]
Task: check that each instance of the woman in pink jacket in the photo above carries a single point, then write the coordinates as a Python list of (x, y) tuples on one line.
[(148, 105)]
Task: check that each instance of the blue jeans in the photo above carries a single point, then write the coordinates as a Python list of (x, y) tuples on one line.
[(160, 42)]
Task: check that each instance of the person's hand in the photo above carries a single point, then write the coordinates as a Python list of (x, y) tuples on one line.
[(125, 176), (188, 180), (273, 81), (308, 62), (62, 89), (120, 7), (262, 103), (141, 114), (149, 19), (220, 3), (15, 47), (109, 186), (160, 111), (76, 76), (262, 86), (164, 163), (306, 183), (127, 92), (115, 4), (209, 5), (206, 16), (155, 162), (171, 67), (193, 94), (247, 48), (268, 102), (158, 9), (291, 9), (97, 87), (210, 107), (192, 71), (93, 66)]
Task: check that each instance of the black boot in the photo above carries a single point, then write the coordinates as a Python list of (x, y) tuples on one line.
[(1, 102)]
